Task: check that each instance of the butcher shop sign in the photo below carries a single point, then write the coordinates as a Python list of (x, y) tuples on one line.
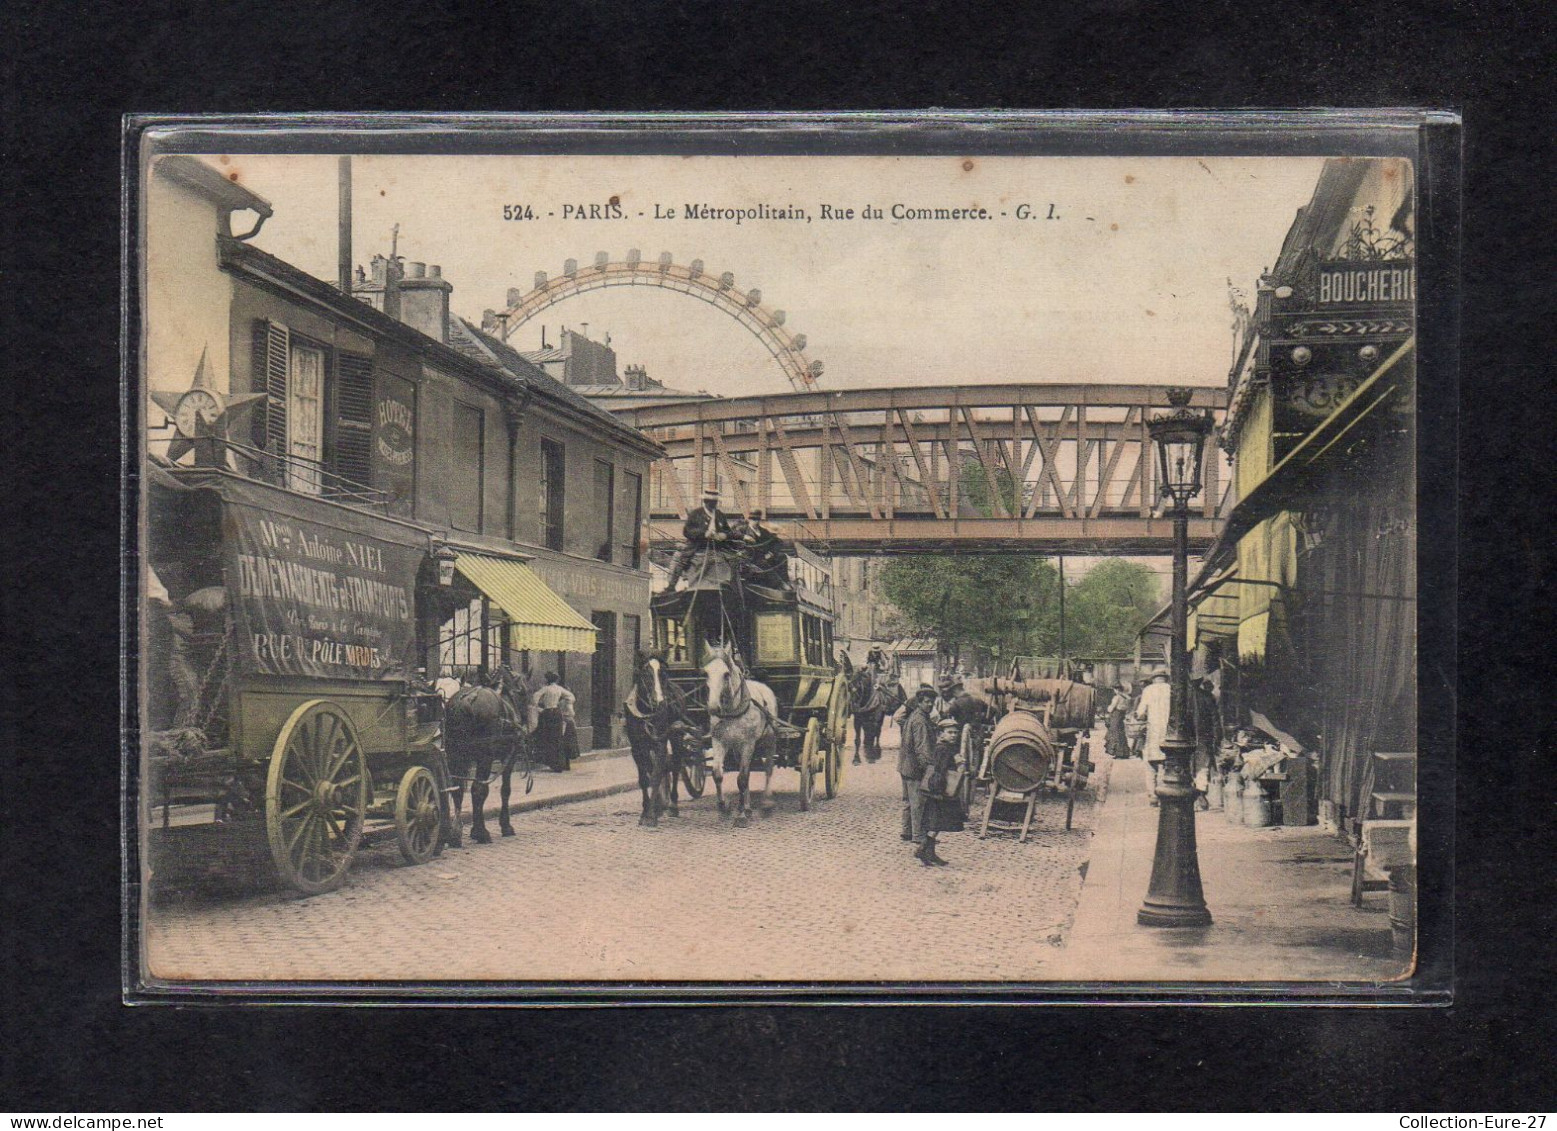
[(1347, 282)]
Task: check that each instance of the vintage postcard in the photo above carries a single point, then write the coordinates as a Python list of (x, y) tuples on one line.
[(728, 567)]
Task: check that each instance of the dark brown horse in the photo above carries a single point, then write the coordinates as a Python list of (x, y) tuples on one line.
[(873, 695), (649, 713), (867, 706), (665, 745), (483, 725)]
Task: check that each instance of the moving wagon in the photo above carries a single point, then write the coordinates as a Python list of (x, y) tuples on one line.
[(283, 694), (784, 636)]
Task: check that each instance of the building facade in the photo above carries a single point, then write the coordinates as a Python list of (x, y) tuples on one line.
[(384, 399), (1306, 604)]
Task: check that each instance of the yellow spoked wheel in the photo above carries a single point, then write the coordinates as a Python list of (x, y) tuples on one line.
[(838, 712), (832, 769), (316, 797), (808, 750), (418, 824)]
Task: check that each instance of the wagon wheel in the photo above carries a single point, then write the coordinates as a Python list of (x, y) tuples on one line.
[(316, 797), (1078, 779), (832, 769), (418, 822), (694, 773), (965, 755), (838, 713), (808, 762)]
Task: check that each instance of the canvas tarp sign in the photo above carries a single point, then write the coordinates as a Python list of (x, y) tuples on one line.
[(314, 600)]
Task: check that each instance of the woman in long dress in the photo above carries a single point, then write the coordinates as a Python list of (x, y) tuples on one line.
[(554, 716)]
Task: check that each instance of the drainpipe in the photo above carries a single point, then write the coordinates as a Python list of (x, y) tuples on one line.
[(513, 416)]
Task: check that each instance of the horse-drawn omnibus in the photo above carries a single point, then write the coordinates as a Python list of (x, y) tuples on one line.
[(282, 638), (782, 637)]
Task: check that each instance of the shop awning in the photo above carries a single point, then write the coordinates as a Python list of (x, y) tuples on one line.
[(1256, 543), (1284, 487), (539, 620)]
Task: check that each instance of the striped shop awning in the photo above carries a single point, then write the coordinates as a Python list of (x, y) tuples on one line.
[(539, 620)]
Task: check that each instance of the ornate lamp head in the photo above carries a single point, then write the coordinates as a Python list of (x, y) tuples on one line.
[(1180, 437)]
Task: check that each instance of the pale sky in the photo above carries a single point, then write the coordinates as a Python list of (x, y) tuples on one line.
[(1128, 285)]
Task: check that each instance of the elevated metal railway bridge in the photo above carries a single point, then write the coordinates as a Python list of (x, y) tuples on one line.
[(1041, 468)]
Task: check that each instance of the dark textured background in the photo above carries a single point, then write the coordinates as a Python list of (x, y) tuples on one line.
[(65, 1041)]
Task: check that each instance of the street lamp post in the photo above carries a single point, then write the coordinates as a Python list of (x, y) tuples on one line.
[(1175, 898)]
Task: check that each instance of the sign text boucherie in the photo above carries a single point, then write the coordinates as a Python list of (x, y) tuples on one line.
[(1347, 282)]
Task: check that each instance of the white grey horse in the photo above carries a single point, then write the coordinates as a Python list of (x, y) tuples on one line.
[(741, 713)]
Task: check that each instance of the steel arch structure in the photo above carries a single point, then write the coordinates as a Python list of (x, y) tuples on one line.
[(718, 291), (903, 470)]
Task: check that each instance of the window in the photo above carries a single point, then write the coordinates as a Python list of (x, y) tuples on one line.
[(632, 628), (305, 417), (317, 416), (811, 640), (471, 641), (672, 639), (553, 472), (632, 495), (605, 507), (466, 476)]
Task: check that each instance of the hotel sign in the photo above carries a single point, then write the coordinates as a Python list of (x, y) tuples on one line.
[(1349, 282)]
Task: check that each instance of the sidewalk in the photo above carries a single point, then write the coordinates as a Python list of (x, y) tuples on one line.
[(599, 773), (1279, 900)]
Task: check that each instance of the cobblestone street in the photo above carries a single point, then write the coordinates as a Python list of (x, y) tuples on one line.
[(584, 893)]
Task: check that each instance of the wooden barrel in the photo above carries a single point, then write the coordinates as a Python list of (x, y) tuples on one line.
[(1022, 752)]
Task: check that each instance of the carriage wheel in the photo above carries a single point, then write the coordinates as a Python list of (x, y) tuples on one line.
[(316, 797), (832, 769), (694, 774), (418, 822), (808, 763), (1078, 779), (838, 713)]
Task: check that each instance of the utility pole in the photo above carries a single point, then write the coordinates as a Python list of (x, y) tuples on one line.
[(343, 242), (1061, 561)]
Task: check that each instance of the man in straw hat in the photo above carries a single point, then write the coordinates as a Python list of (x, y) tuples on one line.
[(705, 527)]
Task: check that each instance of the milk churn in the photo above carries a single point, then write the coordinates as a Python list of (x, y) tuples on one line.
[(1256, 806)]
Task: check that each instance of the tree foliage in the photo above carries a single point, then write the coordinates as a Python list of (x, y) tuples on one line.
[(1009, 603), (1108, 607), (1006, 603)]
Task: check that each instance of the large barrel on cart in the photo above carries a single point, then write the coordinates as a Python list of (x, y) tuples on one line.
[(283, 696), (1041, 743)]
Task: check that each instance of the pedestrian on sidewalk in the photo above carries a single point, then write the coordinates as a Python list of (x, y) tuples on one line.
[(554, 722), (1208, 735), (915, 755), (1116, 743), (1156, 701)]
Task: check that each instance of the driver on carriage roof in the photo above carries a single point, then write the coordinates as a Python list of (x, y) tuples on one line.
[(766, 561), (705, 527)]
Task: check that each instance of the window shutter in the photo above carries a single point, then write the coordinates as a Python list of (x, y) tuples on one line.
[(271, 342), (354, 419)]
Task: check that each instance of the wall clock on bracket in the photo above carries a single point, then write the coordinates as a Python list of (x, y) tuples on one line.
[(201, 412)]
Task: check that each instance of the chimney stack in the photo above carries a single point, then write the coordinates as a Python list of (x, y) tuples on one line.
[(424, 300)]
